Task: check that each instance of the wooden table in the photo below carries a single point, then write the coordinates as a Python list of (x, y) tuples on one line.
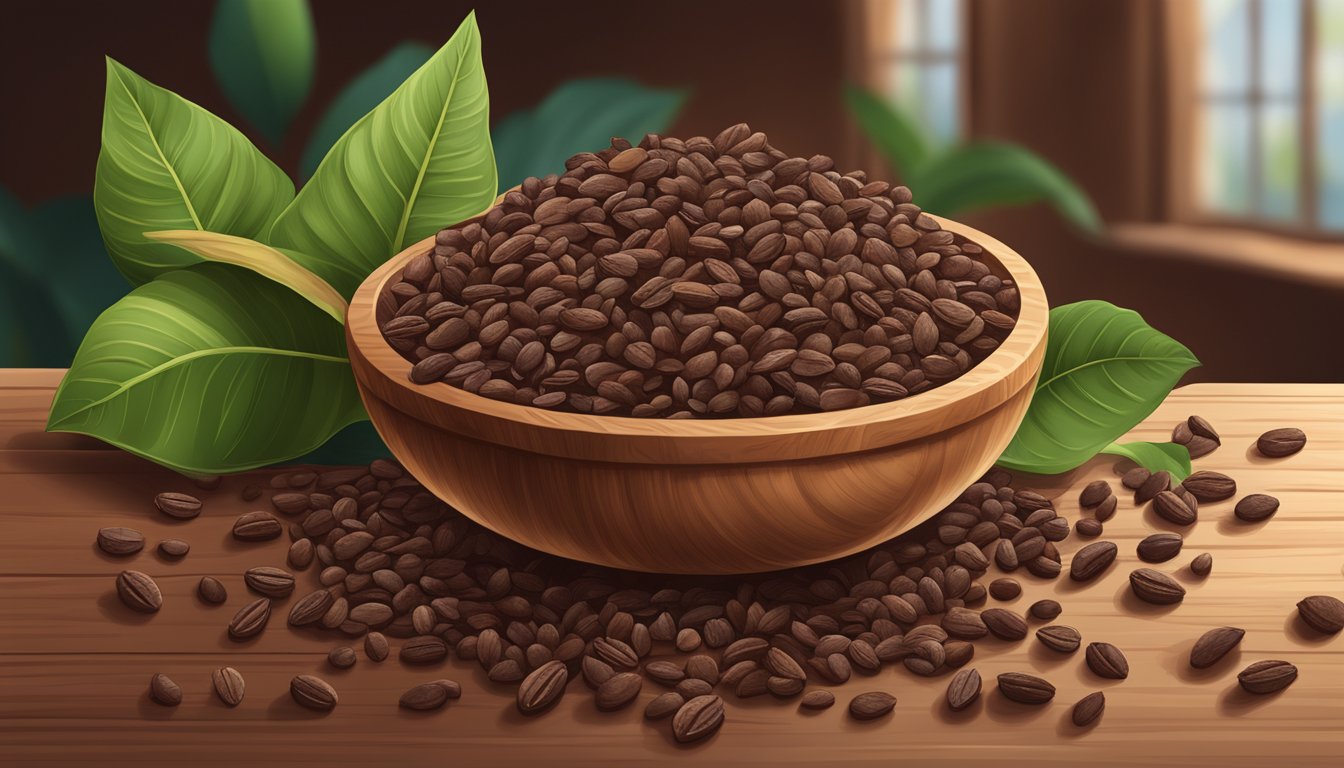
[(74, 663)]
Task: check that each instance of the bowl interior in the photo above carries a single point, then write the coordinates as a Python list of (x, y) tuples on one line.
[(795, 436)]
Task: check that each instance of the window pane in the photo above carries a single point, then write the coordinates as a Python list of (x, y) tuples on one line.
[(927, 94), (1279, 161), (944, 25), (1225, 162), (1226, 46), (1330, 111), (940, 103), (1281, 47), (909, 25)]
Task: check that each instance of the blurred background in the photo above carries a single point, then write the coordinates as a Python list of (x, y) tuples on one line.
[(1184, 158)]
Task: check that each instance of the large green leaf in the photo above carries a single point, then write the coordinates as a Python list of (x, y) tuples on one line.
[(168, 164), (210, 369), (420, 161), (360, 96), (89, 282), (986, 175), (32, 331), (263, 53), (579, 116), (271, 263), (1172, 457), (1105, 370), (896, 137)]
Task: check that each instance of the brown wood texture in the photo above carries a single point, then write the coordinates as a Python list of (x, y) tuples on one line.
[(75, 665), (708, 496)]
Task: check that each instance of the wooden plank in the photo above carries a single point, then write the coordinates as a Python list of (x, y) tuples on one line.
[(74, 663)]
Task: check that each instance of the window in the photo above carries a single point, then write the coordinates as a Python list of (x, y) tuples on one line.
[(1269, 128), (916, 61)]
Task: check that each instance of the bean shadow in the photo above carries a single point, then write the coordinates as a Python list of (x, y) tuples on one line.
[(423, 714), (1254, 456), (229, 642), (1236, 701), (1177, 662), (1002, 710), (1186, 575), (811, 712), (1126, 601), (214, 702), (150, 709), (283, 707), (1301, 633), (1231, 525), (110, 605), (1065, 728), (167, 559), (1065, 585), (945, 713), (121, 561), (1043, 658)]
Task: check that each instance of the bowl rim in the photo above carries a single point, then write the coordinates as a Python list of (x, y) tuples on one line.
[(382, 372)]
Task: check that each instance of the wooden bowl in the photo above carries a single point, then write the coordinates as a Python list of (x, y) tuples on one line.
[(701, 496)]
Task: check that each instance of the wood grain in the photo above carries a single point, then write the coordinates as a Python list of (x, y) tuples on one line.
[(74, 667), (708, 496)]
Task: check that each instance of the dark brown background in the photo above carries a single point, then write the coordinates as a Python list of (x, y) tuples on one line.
[(1081, 83)]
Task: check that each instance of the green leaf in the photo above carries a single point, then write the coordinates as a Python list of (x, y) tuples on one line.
[(270, 263), (168, 164), (1105, 370), (417, 163), (32, 331), (987, 175), (360, 96), (1172, 457), (897, 138), (579, 116), (89, 282), (210, 369), (263, 53)]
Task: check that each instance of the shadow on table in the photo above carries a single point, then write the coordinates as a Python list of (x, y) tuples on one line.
[(1236, 701), (1301, 633), (110, 605), (283, 707), (1127, 601)]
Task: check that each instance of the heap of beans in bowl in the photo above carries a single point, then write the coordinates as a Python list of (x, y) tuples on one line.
[(698, 278)]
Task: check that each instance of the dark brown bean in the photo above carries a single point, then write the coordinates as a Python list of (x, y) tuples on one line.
[(1322, 613), (1277, 443), (1155, 587), (1256, 507), (1214, 645), (1088, 709), (1269, 676), (1025, 689)]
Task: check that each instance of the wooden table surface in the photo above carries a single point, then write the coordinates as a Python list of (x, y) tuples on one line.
[(74, 663)]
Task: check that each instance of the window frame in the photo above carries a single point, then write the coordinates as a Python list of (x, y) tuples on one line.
[(874, 42), (1188, 100)]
